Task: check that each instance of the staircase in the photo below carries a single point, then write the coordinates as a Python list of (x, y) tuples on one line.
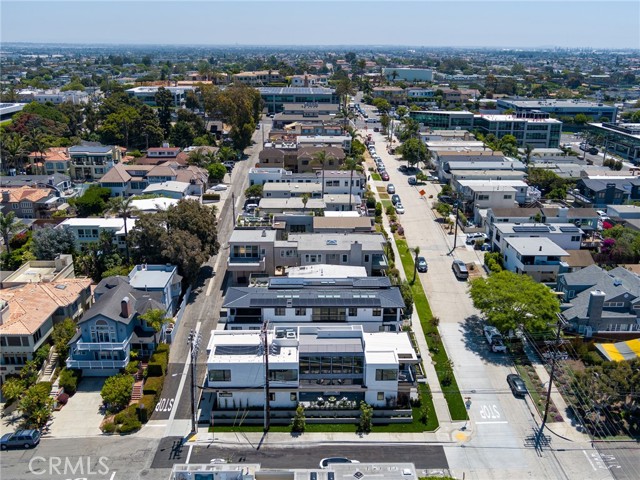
[(136, 391), (49, 366)]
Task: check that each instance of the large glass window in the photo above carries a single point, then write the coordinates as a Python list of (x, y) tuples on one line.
[(219, 375), (246, 251), (386, 374), (290, 375)]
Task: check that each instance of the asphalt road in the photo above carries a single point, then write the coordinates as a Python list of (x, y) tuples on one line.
[(170, 451)]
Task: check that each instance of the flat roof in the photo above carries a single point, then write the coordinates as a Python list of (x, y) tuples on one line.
[(292, 187), (291, 203), (295, 90), (554, 228), (536, 246), (492, 181), (513, 118), (326, 242), (328, 271), (266, 235), (150, 279), (170, 186)]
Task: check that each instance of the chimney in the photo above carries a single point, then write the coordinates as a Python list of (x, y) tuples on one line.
[(125, 309), (596, 304), (6, 196)]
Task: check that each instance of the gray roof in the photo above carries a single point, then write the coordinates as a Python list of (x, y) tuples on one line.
[(109, 304), (26, 180), (613, 283), (90, 149), (327, 242), (597, 185), (321, 292)]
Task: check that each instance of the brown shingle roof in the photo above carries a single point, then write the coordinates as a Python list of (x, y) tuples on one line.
[(53, 154), (18, 194), (116, 174)]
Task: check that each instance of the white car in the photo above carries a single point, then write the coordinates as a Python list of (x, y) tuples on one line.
[(218, 188), (399, 208)]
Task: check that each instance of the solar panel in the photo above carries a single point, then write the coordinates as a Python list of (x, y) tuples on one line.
[(569, 229), (524, 228)]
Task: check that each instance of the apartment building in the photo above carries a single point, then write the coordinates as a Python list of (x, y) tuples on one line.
[(371, 302)]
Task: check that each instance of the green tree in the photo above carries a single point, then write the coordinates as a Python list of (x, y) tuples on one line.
[(350, 164), (182, 134), (116, 391), (366, 418), (217, 171), (93, 202), (62, 334), (305, 198), (298, 423), (410, 129), (122, 208), (508, 300), (49, 242), (320, 158), (416, 252), (156, 318), (185, 250), (36, 405), (253, 191), (15, 148), (414, 151), (12, 389), (382, 105), (9, 226)]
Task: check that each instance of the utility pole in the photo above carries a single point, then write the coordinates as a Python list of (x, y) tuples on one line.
[(553, 369), (233, 207), (267, 393), (194, 346), (455, 234)]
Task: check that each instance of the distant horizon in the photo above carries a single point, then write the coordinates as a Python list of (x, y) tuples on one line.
[(523, 24)]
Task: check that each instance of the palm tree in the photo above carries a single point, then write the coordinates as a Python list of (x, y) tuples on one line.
[(319, 159), (121, 207), (527, 153), (416, 252), (305, 199), (350, 164), (14, 147), (9, 226), (156, 318)]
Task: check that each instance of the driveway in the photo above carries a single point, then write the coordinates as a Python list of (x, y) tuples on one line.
[(81, 416)]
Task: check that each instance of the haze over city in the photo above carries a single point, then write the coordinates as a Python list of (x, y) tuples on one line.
[(524, 24)]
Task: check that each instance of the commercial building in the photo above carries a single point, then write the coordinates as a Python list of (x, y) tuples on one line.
[(529, 128), (622, 139), (275, 97), (561, 108), (147, 95), (259, 78), (371, 302), (327, 369)]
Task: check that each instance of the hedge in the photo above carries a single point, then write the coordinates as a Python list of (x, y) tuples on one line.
[(149, 403), (153, 386), (127, 414), (158, 362), (68, 380)]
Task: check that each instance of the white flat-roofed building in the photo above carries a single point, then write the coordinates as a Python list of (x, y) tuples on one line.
[(335, 181), (315, 366), (538, 257), (561, 108), (88, 230), (147, 95), (327, 271), (468, 187), (292, 190), (408, 74), (153, 205), (565, 235)]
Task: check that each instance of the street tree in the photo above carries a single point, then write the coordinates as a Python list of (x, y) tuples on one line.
[(414, 151), (185, 250), (49, 242), (199, 220), (253, 191), (382, 105), (416, 252), (508, 300), (12, 389), (350, 164)]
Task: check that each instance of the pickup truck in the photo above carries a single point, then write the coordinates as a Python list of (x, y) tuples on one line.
[(494, 339)]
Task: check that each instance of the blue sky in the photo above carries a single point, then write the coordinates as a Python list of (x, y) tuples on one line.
[(514, 23)]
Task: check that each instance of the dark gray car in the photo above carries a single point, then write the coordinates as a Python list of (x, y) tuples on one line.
[(20, 439), (517, 385)]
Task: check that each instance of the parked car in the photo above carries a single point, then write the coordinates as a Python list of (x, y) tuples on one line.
[(395, 199), (412, 180), (399, 208), (325, 462), (221, 187), (20, 438), (403, 168), (460, 270), (594, 151), (422, 264), (384, 176), (473, 237), (517, 385), (391, 189)]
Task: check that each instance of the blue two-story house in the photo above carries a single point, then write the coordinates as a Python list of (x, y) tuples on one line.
[(111, 329)]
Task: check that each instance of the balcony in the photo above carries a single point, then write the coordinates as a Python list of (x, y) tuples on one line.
[(242, 264), (97, 364), (81, 346)]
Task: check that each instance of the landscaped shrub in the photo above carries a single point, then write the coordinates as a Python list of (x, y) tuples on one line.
[(593, 358), (132, 368), (68, 380), (158, 362), (211, 196), (109, 427), (146, 405), (130, 425), (153, 386), (128, 413)]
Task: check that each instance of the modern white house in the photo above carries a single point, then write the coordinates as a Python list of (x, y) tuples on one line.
[(327, 369), (539, 257), (371, 302), (565, 235), (88, 230), (335, 181)]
